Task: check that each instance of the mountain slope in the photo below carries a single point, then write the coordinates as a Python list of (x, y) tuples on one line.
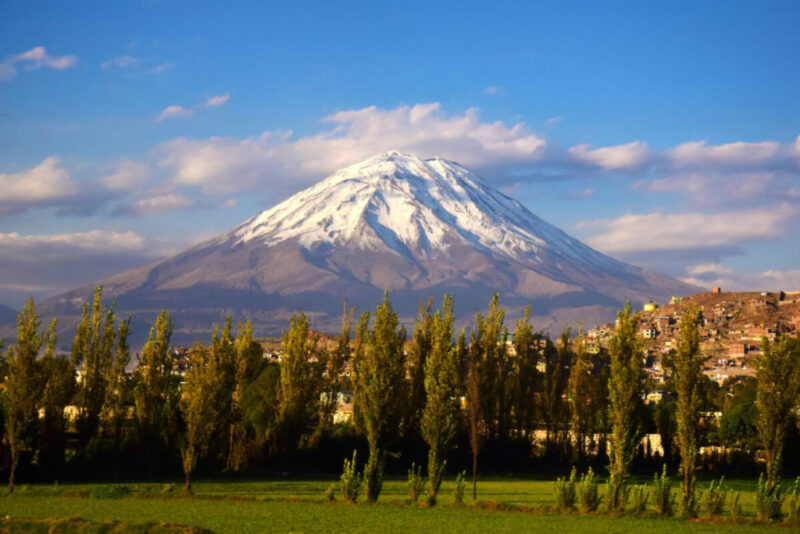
[(416, 228)]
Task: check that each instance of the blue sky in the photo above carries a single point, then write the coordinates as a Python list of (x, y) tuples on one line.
[(662, 134)]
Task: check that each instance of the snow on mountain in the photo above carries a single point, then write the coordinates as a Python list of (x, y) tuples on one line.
[(416, 227)]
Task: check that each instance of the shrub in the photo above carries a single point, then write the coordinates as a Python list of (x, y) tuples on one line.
[(588, 496), (736, 506), (768, 503), (794, 503), (639, 497), (416, 483), (350, 481), (109, 492), (330, 493), (611, 489), (662, 493), (565, 492), (715, 498), (460, 488)]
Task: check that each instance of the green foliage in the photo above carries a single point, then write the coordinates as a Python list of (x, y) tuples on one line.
[(440, 415), (198, 409), (639, 496), (416, 484), (769, 500), (688, 375), (582, 394), (350, 481), (662, 493), (23, 386), (588, 494), (794, 503), (716, 497), (330, 493), (565, 492), (459, 488), (526, 376), (625, 387), (778, 384), (113, 491), (379, 379), (736, 505), (299, 383)]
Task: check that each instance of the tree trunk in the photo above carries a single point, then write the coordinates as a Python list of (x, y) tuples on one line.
[(12, 472), (188, 486), (229, 462), (474, 476)]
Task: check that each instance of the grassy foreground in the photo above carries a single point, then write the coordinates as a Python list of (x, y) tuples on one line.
[(296, 506)]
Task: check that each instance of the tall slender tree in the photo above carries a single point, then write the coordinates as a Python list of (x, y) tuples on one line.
[(474, 417), (557, 359), (23, 387), (334, 366), (688, 374), (118, 399), (489, 353), (247, 364), (92, 351), (418, 352), (58, 376), (582, 396), (625, 388), (156, 388), (528, 353), (379, 375), (198, 410), (440, 414), (298, 384), (777, 383)]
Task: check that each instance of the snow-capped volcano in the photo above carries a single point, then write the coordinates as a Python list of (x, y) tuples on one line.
[(416, 227)]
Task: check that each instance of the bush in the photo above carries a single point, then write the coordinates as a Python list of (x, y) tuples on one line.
[(109, 492), (619, 505), (736, 506), (565, 492), (768, 503), (330, 493), (350, 481), (460, 488), (588, 496), (662, 493), (416, 483), (639, 497), (715, 498), (794, 503)]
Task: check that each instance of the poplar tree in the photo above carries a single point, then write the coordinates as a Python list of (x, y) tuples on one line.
[(489, 353), (247, 364), (379, 375), (23, 387), (625, 388), (221, 364), (92, 355), (688, 373), (777, 382), (526, 344), (474, 417), (581, 395), (58, 377), (156, 389), (198, 410), (440, 413), (418, 353), (298, 382), (117, 386), (334, 365), (556, 358)]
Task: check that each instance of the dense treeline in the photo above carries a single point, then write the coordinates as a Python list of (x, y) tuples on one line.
[(448, 400)]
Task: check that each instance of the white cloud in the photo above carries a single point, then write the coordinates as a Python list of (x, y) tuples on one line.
[(554, 120), (128, 175), (160, 204), (686, 231), (45, 184), (93, 239), (730, 280), (175, 111), (620, 157), (33, 59), (698, 153), (162, 68), (214, 101), (226, 164), (121, 62), (493, 90), (180, 111)]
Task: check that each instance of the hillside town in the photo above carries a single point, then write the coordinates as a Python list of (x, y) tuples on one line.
[(734, 324)]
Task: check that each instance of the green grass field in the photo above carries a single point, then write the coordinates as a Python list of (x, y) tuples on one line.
[(297, 506)]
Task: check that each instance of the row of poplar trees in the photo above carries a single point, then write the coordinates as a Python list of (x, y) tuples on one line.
[(438, 385)]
